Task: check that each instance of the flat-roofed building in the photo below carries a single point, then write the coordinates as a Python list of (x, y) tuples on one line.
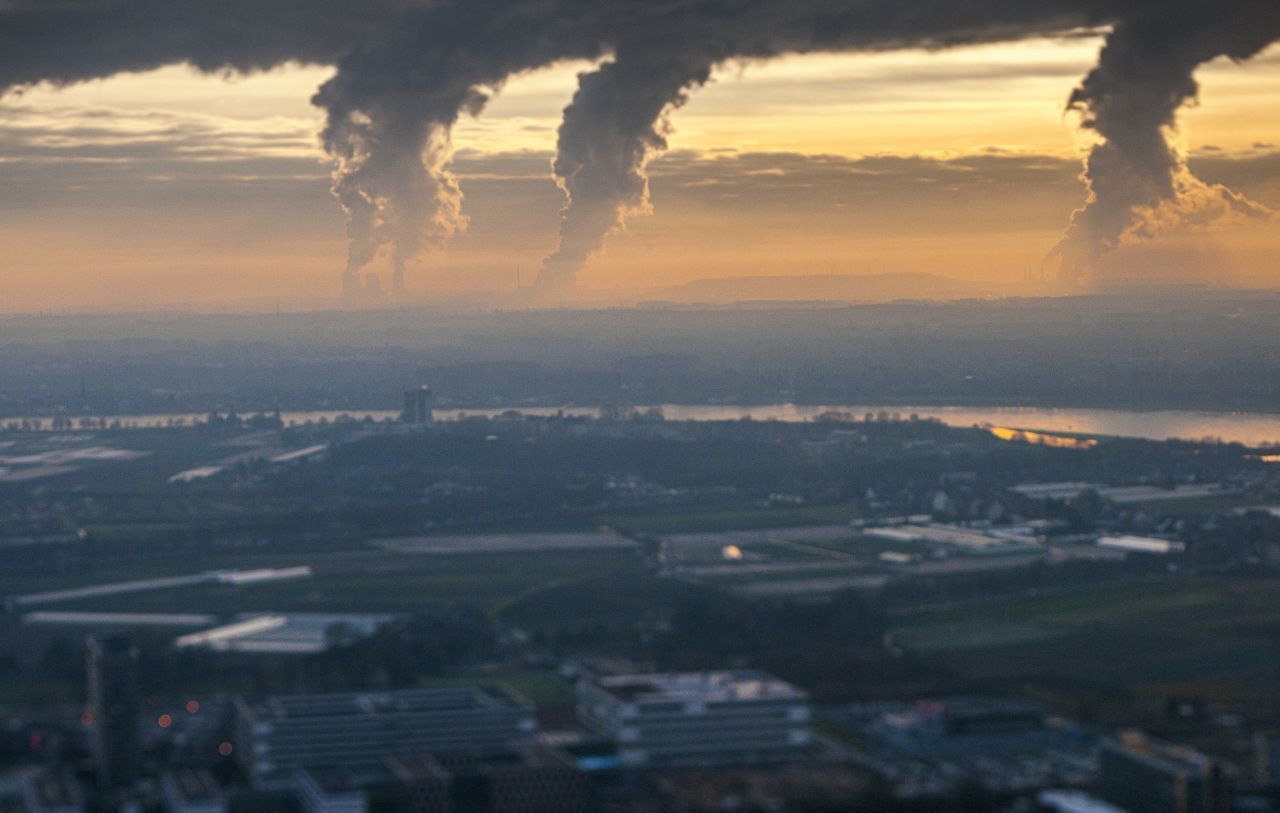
[(53, 792), (285, 633), (697, 718), (277, 736), (1144, 775), (1141, 544), (330, 790), (526, 778), (192, 790), (970, 727)]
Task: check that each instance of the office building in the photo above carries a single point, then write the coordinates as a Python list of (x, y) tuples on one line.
[(279, 735), (699, 718), (972, 726), (112, 667), (1143, 775), (417, 406), (501, 779)]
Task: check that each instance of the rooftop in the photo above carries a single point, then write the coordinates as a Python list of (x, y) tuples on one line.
[(285, 634), (193, 785), (488, 760), (739, 686), (1165, 755), (370, 704)]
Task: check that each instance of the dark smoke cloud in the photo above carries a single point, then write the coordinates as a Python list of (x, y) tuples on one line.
[(1139, 183), (612, 128), (407, 69)]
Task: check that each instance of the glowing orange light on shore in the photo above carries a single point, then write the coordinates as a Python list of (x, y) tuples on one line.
[(1041, 439), (165, 721), (193, 706)]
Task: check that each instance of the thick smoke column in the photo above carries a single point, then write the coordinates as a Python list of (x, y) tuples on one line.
[(1139, 183), (617, 119), (614, 124), (390, 174), (407, 69), (390, 111)]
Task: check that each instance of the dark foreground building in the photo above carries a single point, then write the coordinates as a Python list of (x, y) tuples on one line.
[(1143, 775), (502, 779), (112, 666)]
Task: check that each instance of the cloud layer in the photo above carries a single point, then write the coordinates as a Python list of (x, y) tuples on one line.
[(408, 69)]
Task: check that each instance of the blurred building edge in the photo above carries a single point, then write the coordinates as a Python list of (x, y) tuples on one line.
[(698, 718), (417, 406), (1144, 775), (973, 726), (525, 778), (1266, 760), (112, 671), (330, 790), (53, 792), (1072, 801), (193, 790)]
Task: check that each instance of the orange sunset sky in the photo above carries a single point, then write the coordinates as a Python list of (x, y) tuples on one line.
[(173, 189)]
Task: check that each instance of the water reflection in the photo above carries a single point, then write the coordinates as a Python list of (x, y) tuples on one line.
[(1253, 429)]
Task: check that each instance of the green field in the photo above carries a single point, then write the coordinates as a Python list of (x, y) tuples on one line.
[(358, 581), (1211, 636), (732, 520)]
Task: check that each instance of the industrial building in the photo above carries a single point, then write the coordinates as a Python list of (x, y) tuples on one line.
[(971, 540), (277, 736), (1143, 775), (1120, 495), (285, 633), (697, 718), (1141, 544)]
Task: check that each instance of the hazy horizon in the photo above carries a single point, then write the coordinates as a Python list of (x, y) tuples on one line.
[(167, 188)]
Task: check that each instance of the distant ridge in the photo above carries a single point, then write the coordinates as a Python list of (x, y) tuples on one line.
[(828, 287)]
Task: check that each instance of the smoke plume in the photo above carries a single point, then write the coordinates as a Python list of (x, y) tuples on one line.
[(406, 70), (615, 123), (1138, 182)]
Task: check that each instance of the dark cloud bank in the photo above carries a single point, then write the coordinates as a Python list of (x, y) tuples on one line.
[(408, 69)]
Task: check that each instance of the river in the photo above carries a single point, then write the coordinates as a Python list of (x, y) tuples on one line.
[(1250, 428)]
